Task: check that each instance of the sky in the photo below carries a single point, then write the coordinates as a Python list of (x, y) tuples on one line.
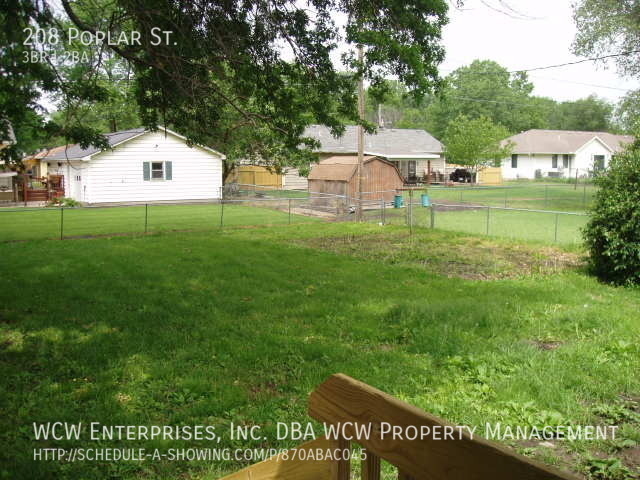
[(544, 37)]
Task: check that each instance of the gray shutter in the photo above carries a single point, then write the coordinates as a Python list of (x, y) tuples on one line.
[(168, 170), (146, 171)]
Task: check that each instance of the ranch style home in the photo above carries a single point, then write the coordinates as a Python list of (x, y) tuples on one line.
[(561, 153), (140, 166), (415, 152)]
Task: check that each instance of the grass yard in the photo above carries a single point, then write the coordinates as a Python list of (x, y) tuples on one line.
[(241, 324), (41, 223), (557, 197), (521, 225)]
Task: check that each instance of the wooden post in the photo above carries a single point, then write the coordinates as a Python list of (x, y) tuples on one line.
[(428, 172), (344, 465), (370, 466), (360, 134)]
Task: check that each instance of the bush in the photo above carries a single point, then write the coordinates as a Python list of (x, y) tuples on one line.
[(612, 234), (63, 202)]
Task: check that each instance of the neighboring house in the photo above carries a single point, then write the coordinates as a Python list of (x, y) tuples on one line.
[(140, 166), (337, 175), (6, 176), (412, 151), (561, 153)]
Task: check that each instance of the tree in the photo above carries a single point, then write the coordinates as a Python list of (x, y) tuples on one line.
[(591, 114), (612, 234), (609, 27), (485, 88), (254, 74), (476, 143), (627, 113)]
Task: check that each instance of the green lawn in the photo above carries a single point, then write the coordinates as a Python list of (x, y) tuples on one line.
[(561, 197), (515, 224), (41, 223), (241, 324)]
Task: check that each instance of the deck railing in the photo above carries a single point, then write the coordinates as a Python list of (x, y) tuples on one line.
[(345, 402)]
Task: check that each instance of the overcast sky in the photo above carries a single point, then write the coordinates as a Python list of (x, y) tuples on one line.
[(479, 32)]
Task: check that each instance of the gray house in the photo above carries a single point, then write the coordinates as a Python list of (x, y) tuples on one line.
[(414, 152)]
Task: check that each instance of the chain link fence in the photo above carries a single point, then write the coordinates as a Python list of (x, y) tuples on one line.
[(531, 196), (253, 205)]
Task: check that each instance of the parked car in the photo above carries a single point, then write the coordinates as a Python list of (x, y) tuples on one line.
[(461, 175)]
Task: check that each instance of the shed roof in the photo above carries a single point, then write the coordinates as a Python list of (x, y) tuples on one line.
[(564, 141), (341, 167), (335, 171), (386, 142)]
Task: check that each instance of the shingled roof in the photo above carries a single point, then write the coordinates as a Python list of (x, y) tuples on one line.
[(386, 142), (72, 152), (564, 141)]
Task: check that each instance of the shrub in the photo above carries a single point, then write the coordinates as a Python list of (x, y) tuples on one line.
[(612, 234), (63, 202)]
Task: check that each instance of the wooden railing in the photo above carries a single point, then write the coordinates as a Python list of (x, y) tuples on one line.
[(345, 402)]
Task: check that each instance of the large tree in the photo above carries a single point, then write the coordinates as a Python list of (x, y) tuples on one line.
[(476, 143), (591, 114), (246, 75), (485, 88)]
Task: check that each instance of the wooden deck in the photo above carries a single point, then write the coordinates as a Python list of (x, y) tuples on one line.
[(349, 404)]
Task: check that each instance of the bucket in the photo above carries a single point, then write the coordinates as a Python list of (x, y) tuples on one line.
[(398, 201), (426, 201)]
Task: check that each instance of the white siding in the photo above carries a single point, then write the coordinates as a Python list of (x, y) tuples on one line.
[(117, 175), (584, 156), (583, 160), (293, 180)]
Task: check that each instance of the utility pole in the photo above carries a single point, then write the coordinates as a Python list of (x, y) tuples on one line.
[(360, 134)]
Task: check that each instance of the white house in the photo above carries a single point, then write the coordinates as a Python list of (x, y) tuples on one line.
[(413, 151), (560, 153), (140, 166)]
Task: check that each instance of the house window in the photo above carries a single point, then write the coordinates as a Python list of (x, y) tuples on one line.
[(6, 184), (565, 161), (157, 170), (554, 161), (514, 160), (598, 162)]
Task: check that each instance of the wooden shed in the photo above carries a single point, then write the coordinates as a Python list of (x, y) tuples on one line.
[(338, 175)]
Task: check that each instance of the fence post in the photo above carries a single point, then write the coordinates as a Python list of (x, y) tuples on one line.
[(382, 212), (584, 194), (146, 217), (61, 223), (289, 211), (506, 193), (433, 216), (488, 218), (221, 211), (546, 195), (410, 212), (555, 236)]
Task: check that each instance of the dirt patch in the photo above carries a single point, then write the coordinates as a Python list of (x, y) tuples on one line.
[(546, 344), (474, 258)]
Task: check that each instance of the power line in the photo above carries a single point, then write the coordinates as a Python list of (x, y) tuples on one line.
[(584, 60)]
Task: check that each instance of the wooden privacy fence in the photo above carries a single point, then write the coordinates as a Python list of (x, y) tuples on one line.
[(256, 175), (345, 402)]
